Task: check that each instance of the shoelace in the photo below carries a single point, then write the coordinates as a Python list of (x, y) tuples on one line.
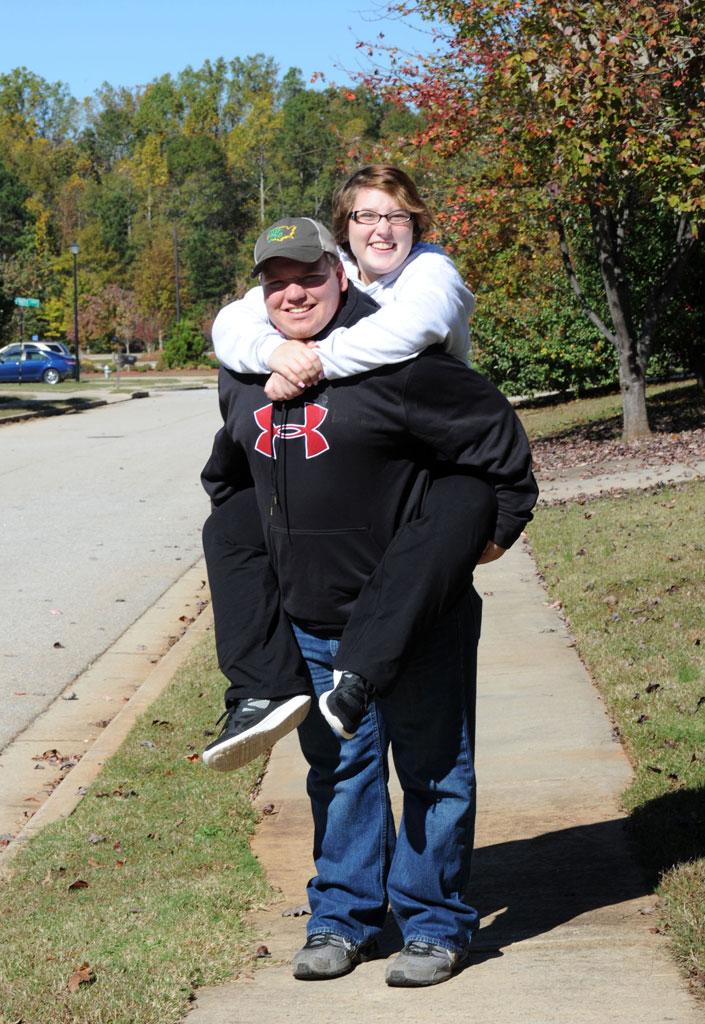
[(418, 948), (327, 939)]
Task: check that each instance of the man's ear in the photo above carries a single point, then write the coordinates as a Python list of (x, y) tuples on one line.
[(342, 278)]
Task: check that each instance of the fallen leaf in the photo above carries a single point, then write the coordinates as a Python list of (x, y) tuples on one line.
[(78, 884), (83, 975), (120, 863), (268, 809), (299, 911), (192, 757)]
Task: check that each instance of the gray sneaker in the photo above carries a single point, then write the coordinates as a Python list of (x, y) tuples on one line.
[(326, 955), (251, 727), (422, 963)]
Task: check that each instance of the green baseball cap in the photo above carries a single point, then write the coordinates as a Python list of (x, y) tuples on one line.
[(294, 238)]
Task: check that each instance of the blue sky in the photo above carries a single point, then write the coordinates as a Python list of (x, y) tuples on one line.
[(129, 42)]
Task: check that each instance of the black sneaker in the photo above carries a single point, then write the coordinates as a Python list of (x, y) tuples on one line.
[(252, 727), (326, 956), (423, 963), (345, 705)]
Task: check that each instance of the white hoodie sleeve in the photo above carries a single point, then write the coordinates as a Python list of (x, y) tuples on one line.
[(427, 304), (243, 337)]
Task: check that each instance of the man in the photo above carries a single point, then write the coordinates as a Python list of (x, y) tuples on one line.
[(336, 473)]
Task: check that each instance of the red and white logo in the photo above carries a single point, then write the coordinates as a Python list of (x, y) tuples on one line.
[(314, 441)]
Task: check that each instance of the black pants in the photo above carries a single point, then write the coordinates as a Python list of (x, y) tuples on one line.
[(423, 573)]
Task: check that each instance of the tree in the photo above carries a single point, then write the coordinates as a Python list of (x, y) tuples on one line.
[(599, 109), (13, 219)]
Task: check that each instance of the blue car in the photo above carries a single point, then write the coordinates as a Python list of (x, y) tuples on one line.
[(32, 363)]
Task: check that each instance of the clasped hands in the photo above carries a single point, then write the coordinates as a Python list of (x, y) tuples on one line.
[(296, 366)]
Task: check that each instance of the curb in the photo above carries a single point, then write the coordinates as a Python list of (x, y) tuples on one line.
[(61, 803)]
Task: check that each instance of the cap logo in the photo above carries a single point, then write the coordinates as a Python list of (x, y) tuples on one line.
[(282, 233)]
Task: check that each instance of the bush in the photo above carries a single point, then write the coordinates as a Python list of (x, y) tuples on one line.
[(529, 345), (184, 346)]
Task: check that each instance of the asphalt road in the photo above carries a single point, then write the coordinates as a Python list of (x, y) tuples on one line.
[(101, 512)]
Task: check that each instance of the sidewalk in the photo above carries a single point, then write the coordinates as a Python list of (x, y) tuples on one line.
[(566, 934)]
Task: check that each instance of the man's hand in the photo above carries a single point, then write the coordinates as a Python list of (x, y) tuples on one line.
[(279, 389), (491, 553), (298, 363)]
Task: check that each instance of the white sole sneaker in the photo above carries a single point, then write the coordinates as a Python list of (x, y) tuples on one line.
[(238, 750)]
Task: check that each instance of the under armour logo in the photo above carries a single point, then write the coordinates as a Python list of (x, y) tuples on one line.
[(314, 441)]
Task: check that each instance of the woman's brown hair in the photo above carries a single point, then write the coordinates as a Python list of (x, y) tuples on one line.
[(395, 182)]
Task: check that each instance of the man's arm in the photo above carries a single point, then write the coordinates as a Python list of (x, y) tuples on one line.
[(466, 420), (227, 470)]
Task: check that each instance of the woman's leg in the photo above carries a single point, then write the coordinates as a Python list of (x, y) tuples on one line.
[(256, 648), (425, 570), (269, 690)]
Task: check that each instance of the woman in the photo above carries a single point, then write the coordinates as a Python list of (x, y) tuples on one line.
[(379, 221)]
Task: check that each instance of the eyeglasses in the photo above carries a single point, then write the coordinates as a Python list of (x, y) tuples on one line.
[(369, 217)]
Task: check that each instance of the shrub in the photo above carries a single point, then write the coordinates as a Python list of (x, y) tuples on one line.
[(184, 346)]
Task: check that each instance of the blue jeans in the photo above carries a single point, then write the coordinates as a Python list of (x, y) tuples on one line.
[(362, 863)]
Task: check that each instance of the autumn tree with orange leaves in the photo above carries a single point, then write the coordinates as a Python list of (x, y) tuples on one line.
[(599, 109)]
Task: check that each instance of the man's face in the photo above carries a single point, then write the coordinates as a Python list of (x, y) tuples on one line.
[(302, 298)]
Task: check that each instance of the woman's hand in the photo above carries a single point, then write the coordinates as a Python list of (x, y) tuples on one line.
[(279, 389), (298, 362)]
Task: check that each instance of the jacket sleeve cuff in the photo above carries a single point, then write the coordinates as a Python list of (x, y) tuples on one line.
[(509, 529)]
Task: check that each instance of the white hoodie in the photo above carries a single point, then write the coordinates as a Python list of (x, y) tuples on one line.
[(423, 302)]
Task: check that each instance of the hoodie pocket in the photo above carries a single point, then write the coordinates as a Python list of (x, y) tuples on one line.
[(320, 572)]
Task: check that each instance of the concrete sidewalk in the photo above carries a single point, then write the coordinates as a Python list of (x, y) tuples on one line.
[(566, 934)]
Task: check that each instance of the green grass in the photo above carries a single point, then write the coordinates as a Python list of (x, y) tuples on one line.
[(556, 418), (630, 573), (169, 884)]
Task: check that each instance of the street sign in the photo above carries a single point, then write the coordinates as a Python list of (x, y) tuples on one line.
[(27, 302)]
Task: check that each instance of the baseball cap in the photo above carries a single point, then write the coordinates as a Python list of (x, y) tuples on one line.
[(294, 238)]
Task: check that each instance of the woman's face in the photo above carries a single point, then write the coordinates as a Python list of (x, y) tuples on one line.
[(379, 248)]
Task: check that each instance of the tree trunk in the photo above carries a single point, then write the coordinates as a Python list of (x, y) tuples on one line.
[(632, 360), (632, 384)]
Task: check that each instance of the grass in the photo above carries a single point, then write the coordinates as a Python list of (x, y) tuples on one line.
[(630, 573), (162, 844), (555, 418)]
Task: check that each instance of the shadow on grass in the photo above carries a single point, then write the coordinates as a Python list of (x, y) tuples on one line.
[(669, 830), (670, 412)]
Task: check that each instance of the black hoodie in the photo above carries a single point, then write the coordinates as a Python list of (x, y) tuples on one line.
[(337, 471)]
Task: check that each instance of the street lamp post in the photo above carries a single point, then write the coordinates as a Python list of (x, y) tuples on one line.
[(75, 249)]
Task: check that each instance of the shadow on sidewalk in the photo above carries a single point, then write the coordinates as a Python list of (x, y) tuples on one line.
[(533, 885)]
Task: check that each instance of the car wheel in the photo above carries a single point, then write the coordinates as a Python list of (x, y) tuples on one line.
[(51, 376)]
